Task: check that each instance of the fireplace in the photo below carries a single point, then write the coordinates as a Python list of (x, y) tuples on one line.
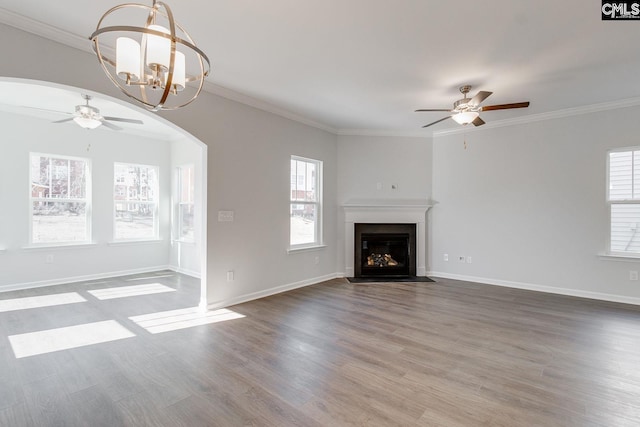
[(384, 250), (393, 211)]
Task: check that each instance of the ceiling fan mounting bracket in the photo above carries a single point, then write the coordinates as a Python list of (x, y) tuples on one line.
[(465, 89)]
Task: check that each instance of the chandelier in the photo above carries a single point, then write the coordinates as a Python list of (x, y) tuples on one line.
[(154, 63)]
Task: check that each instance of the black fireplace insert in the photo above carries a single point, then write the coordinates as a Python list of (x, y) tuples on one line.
[(385, 250)]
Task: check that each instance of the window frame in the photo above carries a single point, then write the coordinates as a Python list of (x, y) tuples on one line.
[(155, 203), (87, 200), (318, 203), (627, 201)]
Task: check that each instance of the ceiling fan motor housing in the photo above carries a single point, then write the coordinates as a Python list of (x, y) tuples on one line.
[(87, 111)]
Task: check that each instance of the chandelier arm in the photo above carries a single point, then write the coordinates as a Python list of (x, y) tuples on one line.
[(160, 77)]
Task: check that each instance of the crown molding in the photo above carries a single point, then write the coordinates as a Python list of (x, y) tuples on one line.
[(38, 28), (49, 32), (82, 43), (264, 106), (387, 133), (558, 114)]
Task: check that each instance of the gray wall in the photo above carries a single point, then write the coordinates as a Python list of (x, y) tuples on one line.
[(248, 172), (366, 161), (23, 266), (527, 204)]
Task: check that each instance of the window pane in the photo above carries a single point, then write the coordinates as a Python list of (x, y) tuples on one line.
[(620, 176), (135, 182), (55, 222), (77, 179), (135, 220), (186, 222), (303, 224), (625, 235), (187, 189)]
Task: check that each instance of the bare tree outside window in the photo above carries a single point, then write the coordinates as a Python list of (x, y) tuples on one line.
[(59, 199)]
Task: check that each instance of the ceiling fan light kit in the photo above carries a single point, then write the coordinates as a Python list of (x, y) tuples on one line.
[(467, 110), (465, 117), (152, 63)]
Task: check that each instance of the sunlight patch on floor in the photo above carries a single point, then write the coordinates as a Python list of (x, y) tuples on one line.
[(130, 291), (40, 301), (48, 341), (166, 321)]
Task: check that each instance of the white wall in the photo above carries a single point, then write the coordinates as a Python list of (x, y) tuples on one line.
[(527, 203), (248, 172), (365, 161), (20, 265), (185, 255)]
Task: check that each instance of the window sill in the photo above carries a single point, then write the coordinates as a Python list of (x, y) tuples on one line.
[(619, 257), (294, 250), (134, 242), (50, 246)]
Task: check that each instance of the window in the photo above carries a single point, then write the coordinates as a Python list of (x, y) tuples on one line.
[(306, 202), (623, 196), (135, 202), (60, 202), (186, 191)]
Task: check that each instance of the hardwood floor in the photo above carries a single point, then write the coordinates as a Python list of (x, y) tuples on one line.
[(447, 353)]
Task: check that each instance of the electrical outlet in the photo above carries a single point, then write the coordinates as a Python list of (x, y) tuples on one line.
[(461, 259), (317, 260), (469, 260), (446, 257), (230, 276), (49, 259), (633, 275)]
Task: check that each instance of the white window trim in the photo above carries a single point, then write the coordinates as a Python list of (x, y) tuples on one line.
[(319, 242), (609, 254), (156, 212), (87, 201)]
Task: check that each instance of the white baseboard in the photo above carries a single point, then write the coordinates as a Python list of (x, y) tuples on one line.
[(192, 273), (74, 279), (272, 291), (539, 288)]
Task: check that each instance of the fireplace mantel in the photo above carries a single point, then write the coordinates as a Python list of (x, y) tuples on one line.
[(391, 211)]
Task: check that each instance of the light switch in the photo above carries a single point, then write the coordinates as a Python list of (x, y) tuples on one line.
[(225, 216)]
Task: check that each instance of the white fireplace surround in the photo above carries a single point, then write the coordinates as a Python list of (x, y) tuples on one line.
[(392, 211)]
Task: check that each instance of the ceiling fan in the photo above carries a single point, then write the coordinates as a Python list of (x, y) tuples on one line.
[(89, 117), (467, 110)]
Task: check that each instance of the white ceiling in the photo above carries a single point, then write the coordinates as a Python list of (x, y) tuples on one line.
[(368, 64)]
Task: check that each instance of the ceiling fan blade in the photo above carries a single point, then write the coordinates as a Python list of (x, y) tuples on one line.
[(63, 120), (433, 109), (119, 119), (505, 106), (110, 125), (437, 121), (480, 96), (478, 121)]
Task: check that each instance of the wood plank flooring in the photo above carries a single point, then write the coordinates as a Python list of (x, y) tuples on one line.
[(447, 353)]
